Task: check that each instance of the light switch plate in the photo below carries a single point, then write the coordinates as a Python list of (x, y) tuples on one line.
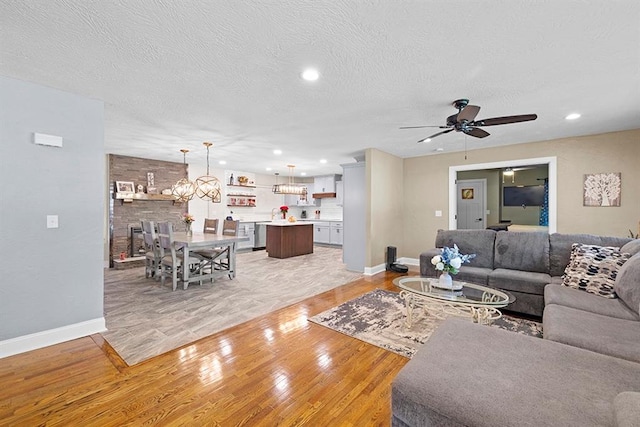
[(52, 221)]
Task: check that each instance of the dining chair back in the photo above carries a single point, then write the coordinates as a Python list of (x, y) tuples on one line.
[(210, 226), (152, 249), (230, 227)]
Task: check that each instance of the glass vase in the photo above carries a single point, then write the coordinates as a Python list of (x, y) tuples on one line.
[(189, 231)]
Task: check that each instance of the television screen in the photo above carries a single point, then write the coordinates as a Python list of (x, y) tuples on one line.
[(530, 195)]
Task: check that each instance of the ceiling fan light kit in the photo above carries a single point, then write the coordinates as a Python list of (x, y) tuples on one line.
[(464, 121)]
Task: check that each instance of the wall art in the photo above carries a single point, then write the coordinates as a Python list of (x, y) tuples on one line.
[(602, 189)]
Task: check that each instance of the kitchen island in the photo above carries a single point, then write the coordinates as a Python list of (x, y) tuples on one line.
[(288, 239)]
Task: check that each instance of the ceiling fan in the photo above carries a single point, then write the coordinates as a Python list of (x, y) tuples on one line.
[(464, 121)]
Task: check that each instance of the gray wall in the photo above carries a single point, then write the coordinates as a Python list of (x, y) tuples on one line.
[(51, 278)]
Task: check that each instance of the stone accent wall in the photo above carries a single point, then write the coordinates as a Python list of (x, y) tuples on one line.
[(125, 215)]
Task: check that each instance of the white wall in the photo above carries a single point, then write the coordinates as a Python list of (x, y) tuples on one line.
[(52, 278)]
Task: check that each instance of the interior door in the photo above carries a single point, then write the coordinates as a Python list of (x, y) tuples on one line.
[(471, 204)]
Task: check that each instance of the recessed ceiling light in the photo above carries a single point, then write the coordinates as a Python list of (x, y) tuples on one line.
[(439, 149), (303, 173), (277, 152), (310, 75), (268, 169), (222, 162), (572, 116), (323, 160)]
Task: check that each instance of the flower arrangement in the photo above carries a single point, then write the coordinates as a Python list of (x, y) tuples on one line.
[(284, 209), (451, 260), (187, 218)]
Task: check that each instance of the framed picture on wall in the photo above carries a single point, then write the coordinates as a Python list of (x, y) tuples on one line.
[(602, 189), (124, 187)]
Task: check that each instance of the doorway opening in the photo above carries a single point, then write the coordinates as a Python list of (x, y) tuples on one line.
[(550, 162)]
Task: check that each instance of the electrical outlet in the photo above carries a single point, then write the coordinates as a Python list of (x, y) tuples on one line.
[(438, 213)]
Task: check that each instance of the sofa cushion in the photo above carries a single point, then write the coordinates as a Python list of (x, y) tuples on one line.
[(521, 281), (627, 409), (560, 248), (602, 334), (522, 251), (594, 269), (569, 297), (474, 375), (631, 248), (479, 242), (627, 284)]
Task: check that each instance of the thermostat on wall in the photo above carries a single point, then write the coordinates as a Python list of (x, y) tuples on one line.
[(44, 139)]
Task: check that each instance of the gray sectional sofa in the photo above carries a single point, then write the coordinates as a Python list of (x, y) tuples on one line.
[(584, 372), (522, 263)]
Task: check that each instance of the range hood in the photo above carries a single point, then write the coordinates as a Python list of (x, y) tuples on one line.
[(323, 195)]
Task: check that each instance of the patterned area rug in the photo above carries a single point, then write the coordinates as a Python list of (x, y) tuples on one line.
[(378, 318)]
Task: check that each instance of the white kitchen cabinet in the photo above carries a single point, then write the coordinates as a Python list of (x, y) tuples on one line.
[(324, 184), (322, 233), (335, 233), (247, 229), (339, 193), (354, 208)]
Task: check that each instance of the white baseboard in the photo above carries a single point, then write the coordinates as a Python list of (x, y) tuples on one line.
[(50, 337), (370, 271)]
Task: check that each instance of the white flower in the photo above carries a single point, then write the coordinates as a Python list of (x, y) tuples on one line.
[(455, 263), (440, 266), (436, 259)]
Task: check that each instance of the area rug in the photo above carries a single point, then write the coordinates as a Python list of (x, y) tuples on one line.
[(378, 318), (145, 318)]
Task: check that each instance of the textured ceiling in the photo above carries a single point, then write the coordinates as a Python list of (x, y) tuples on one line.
[(173, 74)]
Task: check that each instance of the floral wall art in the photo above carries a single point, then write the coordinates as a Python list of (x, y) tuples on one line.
[(602, 189)]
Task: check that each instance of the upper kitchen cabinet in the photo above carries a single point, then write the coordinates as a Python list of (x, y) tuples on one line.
[(325, 186)]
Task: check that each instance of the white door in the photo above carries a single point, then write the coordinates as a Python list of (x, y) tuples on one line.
[(471, 204)]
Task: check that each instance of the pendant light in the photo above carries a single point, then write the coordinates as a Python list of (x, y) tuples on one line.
[(291, 187), (183, 190), (207, 186), (509, 172)]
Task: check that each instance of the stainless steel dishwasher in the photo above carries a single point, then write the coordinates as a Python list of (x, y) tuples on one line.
[(261, 236)]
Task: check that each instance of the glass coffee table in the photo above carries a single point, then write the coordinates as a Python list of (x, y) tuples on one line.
[(480, 303)]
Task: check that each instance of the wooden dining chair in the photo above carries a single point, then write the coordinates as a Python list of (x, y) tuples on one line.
[(171, 257), (152, 249), (218, 258), (210, 226)]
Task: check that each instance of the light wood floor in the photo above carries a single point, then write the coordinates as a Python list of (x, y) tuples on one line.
[(278, 369)]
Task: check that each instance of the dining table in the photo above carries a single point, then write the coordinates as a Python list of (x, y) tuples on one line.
[(197, 241)]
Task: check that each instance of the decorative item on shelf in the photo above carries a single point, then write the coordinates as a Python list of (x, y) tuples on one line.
[(284, 209), (188, 219), (243, 180), (449, 262), (124, 187), (207, 186), (140, 189), (183, 190), (291, 187)]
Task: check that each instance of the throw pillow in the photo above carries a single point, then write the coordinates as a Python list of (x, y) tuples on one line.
[(594, 269), (627, 284), (632, 248)]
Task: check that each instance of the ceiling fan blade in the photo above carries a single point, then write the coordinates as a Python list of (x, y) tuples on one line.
[(468, 113), (417, 127), (435, 134), (478, 133), (504, 120)]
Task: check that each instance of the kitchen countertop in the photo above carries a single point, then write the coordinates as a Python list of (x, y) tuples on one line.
[(285, 223)]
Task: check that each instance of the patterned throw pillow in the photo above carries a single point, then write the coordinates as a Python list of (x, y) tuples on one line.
[(594, 269)]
